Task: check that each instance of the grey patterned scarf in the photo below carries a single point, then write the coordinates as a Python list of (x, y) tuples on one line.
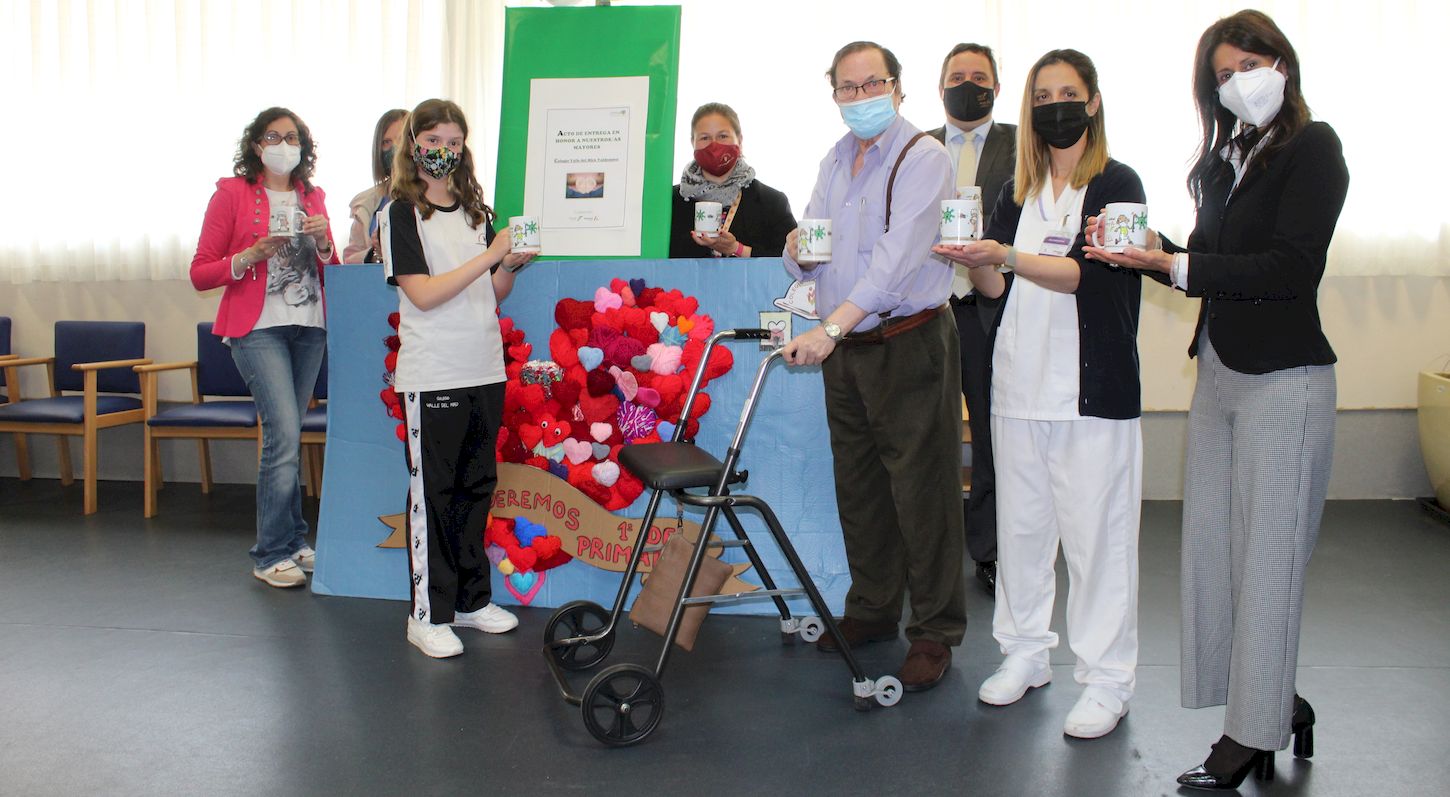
[(695, 188)]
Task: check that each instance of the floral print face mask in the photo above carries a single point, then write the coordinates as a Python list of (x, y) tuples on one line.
[(438, 163)]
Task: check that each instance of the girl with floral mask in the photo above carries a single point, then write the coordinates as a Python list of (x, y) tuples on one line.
[(264, 240), (1269, 185), (760, 215), (452, 270)]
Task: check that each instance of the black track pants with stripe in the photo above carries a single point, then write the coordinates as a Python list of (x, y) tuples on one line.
[(453, 472)]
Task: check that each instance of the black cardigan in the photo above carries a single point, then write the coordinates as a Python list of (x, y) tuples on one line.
[(1107, 297), (1257, 259), (762, 223)]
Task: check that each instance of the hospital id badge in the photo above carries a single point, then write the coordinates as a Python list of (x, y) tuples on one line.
[(1057, 243)]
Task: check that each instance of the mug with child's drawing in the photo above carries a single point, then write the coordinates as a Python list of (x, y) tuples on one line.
[(286, 220), (1122, 225), (524, 235), (813, 243)]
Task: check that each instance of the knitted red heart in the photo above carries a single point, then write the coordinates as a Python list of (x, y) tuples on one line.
[(628, 486), (646, 298), (390, 361), (524, 558), (513, 370), (546, 546), (617, 285), (578, 337), (599, 382), (532, 398), (562, 349), (601, 336), (616, 500), (505, 326), (536, 462), (701, 405), (566, 393), (573, 313), (521, 351), (583, 480), (610, 318), (598, 409), (620, 351), (530, 435)]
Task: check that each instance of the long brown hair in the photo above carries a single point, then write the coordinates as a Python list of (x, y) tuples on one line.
[(1253, 32), (1033, 161), (406, 184), (249, 165)]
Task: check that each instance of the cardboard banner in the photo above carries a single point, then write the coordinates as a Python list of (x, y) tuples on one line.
[(592, 535)]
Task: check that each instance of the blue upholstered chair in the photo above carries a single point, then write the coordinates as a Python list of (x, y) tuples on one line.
[(213, 373), (314, 434), (92, 358)]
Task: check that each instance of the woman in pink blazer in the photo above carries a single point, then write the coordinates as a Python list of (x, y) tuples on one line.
[(264, 241)]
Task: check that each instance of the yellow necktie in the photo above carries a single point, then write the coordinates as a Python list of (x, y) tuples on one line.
[(967, 162)]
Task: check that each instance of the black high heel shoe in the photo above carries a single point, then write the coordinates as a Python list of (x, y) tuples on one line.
[(1228, 765), (1302, 726)]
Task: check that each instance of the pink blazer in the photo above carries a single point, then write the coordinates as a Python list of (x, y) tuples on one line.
[(235, 219)]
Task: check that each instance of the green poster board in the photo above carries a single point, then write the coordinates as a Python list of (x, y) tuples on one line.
[(593, 43)]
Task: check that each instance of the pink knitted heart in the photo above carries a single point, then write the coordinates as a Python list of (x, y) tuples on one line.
[(625, 381), (648, 396), (577, 450), (664, 360), (600, 431), (605, 299)]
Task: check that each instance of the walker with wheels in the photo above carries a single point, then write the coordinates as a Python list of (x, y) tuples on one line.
[(624, 703)]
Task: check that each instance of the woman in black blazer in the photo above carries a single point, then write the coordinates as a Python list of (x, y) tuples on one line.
[(1269, 185), (717, 174)]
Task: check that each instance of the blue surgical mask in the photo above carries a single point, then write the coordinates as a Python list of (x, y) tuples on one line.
[(868, 117)]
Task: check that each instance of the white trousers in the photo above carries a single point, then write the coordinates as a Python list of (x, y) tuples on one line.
[(1080, 483)]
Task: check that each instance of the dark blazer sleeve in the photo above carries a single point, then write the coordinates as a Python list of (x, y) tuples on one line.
[(772, 222), (682, 221), (1314, 183), (1117, 183)]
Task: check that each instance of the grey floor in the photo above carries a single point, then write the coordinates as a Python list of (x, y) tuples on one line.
[(140, 657)]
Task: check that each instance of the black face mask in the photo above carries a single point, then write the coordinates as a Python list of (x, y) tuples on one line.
[(1060, 124), (968, 101), (387, 156)]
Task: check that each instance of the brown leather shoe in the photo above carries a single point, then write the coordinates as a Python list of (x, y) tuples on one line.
[(926, 663), (857, 633)]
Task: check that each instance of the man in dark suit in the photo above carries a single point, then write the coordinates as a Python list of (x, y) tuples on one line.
[(985, 154)]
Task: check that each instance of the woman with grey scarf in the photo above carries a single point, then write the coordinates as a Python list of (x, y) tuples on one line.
[(760, 216)]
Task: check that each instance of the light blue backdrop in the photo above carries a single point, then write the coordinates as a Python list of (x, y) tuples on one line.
[(786, 449)]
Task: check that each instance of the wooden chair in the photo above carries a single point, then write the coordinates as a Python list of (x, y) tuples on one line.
[(213, 373), (314, 435), (7, 378), (91, 357)]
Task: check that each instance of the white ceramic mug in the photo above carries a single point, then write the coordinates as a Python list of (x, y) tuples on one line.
[(524, 234), (813, 244), (707, 218), (286, 220), (961, 220), (1122, 225)]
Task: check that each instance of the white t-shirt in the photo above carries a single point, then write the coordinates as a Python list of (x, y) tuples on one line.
[(294, 290), (456, 344), (1035, 360)]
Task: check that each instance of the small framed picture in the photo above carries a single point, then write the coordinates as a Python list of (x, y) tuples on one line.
[(778, 324)]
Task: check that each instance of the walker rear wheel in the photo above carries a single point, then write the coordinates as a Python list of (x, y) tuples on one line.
[(578, 619), (623, 704), (812, 628)]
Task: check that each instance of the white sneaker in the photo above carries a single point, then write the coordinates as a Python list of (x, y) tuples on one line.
[(490, 619), (306, 558), (437, 641), (1096, 714), (1012, 680), (285, 573)]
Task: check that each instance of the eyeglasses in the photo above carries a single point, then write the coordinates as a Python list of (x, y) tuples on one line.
[(871, 88), (273, 137)]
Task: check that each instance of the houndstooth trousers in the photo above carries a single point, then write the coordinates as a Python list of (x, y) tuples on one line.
[(1259, 450)]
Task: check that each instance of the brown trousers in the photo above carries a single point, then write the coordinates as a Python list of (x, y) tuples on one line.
[(894, 413)]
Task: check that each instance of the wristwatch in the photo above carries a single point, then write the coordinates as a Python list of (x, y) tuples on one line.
[(833, 331)]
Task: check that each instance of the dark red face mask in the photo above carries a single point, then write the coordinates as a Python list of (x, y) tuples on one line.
[(718, 158)]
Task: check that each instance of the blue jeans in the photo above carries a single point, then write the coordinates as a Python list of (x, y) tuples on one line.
[(280, 366)]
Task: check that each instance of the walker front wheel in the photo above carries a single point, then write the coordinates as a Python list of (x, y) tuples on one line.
[(577, 620)]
